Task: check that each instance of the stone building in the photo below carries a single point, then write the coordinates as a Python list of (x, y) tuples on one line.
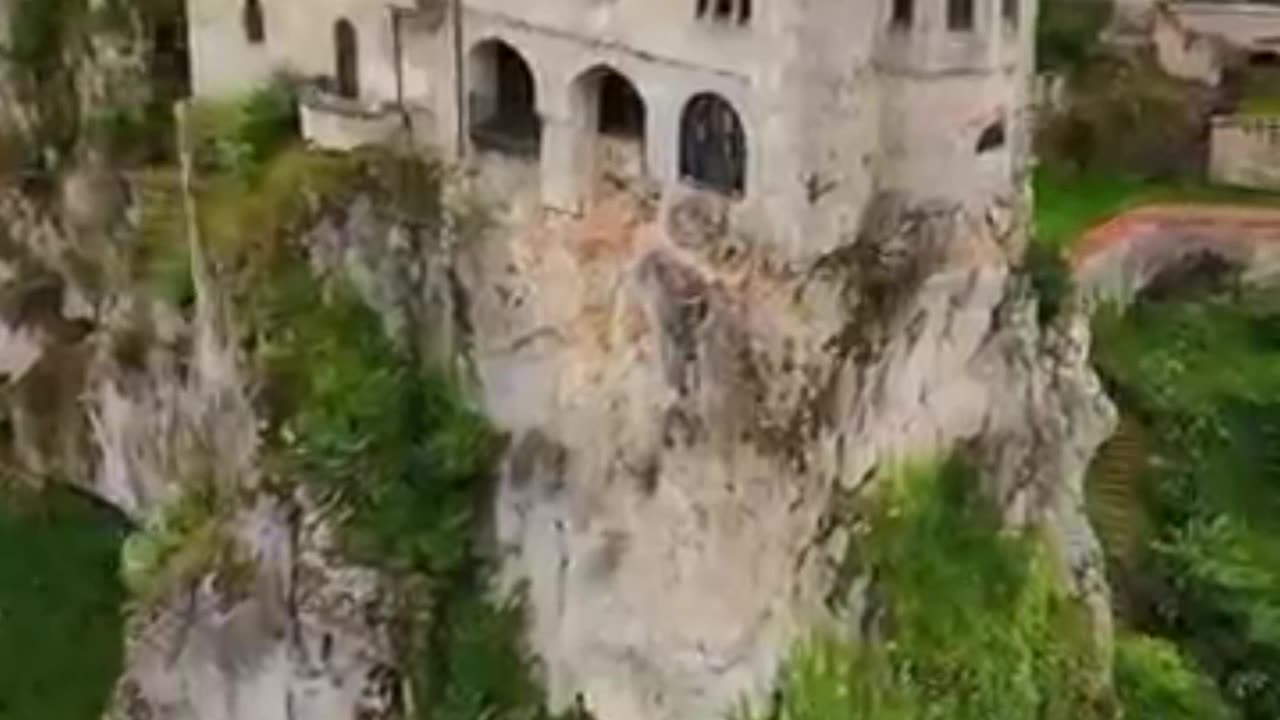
[(794, 112)]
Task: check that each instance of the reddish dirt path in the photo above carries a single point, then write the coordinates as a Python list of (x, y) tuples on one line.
[(1237, 227)]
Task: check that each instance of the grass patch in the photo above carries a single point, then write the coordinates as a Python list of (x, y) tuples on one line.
[(61, 627)]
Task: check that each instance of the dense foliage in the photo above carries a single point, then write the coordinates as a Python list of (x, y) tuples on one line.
[(1204, 376), (1067, 32), (971, 624), (60, 605)]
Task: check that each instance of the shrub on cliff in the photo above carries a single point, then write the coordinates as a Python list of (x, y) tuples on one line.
[(966, 621)]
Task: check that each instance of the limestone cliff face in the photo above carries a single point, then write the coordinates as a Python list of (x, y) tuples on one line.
[(117, 391), (692, 420)]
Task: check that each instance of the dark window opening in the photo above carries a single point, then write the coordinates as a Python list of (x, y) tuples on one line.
[(503, 104), (170, 58), (992, 138), (960, 14), (726, 10), (1264, 58), (713, 146), (621, 109), (1010, 10), (255, 30), (346, 59), (903, 13)]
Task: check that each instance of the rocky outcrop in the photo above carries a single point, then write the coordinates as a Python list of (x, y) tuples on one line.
[(143, 405), (691, 420)]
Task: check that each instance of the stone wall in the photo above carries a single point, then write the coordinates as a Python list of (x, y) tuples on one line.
[(1243, 24), (1245, 151)]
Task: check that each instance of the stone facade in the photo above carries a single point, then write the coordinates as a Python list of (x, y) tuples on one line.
[(1245, 151), (834, 100), (1254, 27)]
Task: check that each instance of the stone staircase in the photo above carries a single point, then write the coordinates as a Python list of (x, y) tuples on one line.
[(1114, 497), (161, 220)]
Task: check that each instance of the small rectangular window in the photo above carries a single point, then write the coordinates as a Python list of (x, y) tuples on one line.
[(960, 14), (1010, 9), (702, 7), (724, 9), (744, 12), (903, 13)]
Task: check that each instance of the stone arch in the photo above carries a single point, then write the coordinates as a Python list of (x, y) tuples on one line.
[(502, 100), (610, 118), (255, 27), (713, 145), (609, 102), (346, 52)]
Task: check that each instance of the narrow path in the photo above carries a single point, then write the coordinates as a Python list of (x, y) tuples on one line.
[(1121, 255)]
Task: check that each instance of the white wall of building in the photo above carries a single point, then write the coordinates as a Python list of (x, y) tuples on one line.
[(835, 104)]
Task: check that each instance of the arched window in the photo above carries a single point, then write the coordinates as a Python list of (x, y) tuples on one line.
[(713, 146), (346, 50), (255, 30), (502, 104)]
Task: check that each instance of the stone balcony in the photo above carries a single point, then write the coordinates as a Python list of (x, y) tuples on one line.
[(334, 122)]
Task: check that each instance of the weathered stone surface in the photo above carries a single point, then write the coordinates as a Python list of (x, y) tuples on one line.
[(685, 422), (138, 405)]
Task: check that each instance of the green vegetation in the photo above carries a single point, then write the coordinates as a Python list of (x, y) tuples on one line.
[(44, 38), (61, 634), (1157, 682), (410, 464), (1068, 31), (240, 137), (974, 626), (1203, 376)]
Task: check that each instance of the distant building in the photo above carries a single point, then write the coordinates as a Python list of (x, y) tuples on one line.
[(797, 112)]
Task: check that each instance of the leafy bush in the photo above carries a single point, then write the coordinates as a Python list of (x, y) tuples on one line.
[(1125, 115), (409, 461), (1202, 374), (1068, 30), (975, 628), (1050, 275), (1154, 681), (240, 137)]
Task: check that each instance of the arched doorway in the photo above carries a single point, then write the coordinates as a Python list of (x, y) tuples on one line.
[(612, 117), (713, 145), (502, 102), (346, 48)]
